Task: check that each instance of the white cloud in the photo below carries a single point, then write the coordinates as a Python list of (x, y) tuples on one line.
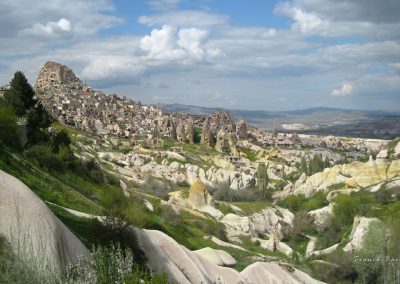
[(345, 90), (182, 46), (163, 4), (50, 29), (184, 18), (45, 17), (339, 18)]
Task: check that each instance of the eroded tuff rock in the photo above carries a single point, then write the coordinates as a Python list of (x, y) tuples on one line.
[(53, 73), (181, 265), (222, 120), (275, 273), (226, 143), (322, 216), (397, 151), (351, 176), (33, 231), (198, 199), (241, 129), (206, 134), (181, 133), (216, 256), (190, 132), (358, 232), (271, 220)]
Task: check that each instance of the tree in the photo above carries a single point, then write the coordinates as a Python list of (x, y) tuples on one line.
[(262, 179), (38, 120), (20, 97), (197, 135), (60, 139), (303, 165), (8, 125)]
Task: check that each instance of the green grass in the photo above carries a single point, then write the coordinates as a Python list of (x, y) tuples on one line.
[(69, 191), (249, 208), (250, 154)]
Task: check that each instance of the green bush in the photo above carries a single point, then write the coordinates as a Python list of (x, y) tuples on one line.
[(157, 187), (318, 200), (293, 202), (46, 158), (348, 206), (224, 193), (8, 126)]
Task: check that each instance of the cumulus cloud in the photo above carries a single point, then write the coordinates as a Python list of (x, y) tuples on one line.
[(183, 45), (345, 90), (343, 18), (50, 29)]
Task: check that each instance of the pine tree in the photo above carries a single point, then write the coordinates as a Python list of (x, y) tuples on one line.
[(20, 97)]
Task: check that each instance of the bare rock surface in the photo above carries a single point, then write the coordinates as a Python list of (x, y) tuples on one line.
[(181, 265), (33, 230), (275, 273), (218, 257), (358, 232), (55, 73), (322, 216), (198, 199)]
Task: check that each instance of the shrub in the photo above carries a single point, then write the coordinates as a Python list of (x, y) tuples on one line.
[(318, 200), (224, 193), (293, 202), (8, 126), (347, 207), (46, 158), (156, 187), (112, 264)]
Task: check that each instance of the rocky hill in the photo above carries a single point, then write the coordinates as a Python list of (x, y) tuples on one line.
[(53, 74)]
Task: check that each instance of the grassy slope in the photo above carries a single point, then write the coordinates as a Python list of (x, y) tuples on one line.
[(67, 190)]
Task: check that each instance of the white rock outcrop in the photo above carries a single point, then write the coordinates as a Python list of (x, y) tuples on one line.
[(270, 219), (275, 273), (218, 257), (358, 232), (183, 266), (33, 231), (322, 216)]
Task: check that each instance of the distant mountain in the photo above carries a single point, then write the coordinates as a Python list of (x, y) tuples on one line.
[(321, 120)]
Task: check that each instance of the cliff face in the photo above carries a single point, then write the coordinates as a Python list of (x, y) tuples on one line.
[(53, 73)]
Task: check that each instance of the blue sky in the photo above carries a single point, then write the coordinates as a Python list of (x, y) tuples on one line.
[(265, 55)]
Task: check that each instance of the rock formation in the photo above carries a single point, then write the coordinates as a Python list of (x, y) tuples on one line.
[(180, 132), (169, 127), (206, 134), (222, 120), (322, 216), (352, 176), (226, 143), (33, 231), (397, 151), (272, 222), (360, 228), (183, 266), (275, 273), (241, 129), (218, 257), (198, 199), (53, 73), (190, 132)]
